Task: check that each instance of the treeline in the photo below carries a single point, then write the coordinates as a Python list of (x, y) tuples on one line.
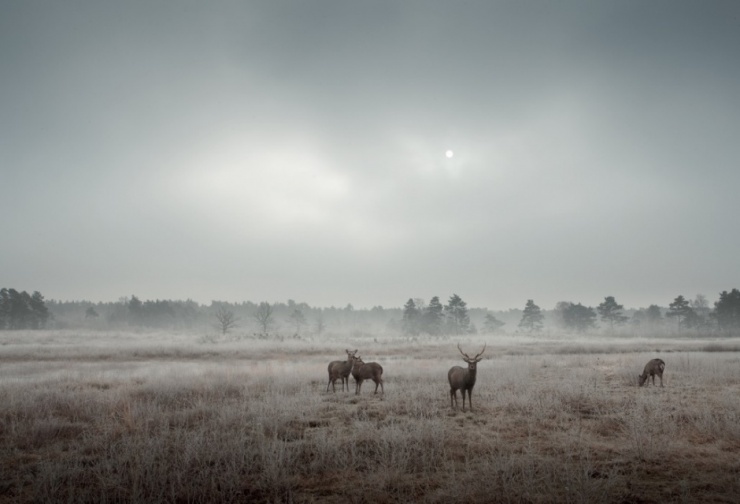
[(20, 310), (286, 318), (695, 315), (436, 319)]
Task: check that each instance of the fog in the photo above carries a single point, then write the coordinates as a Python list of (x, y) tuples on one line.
[(296, 150)]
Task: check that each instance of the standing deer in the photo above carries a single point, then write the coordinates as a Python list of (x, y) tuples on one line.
[(652, 368), (463, 379), (362, 371), (341, 369)]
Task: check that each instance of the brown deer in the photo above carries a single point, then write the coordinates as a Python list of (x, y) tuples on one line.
[(652, 368), (362, 371), (341, 369), (463, 379)]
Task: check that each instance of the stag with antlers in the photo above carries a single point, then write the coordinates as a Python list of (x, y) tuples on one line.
[(464, 379)]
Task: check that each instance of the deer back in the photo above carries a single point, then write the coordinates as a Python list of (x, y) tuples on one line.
[(655, 366), (366, 370)]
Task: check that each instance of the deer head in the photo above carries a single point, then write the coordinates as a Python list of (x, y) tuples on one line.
[(472, 361)]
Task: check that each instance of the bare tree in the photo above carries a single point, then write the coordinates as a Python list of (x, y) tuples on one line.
[(341, 369), (226, 320), (464, 379), (298, 320), (264, 316)]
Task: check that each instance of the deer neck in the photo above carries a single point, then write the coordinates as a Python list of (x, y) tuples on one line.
[(471, 376)]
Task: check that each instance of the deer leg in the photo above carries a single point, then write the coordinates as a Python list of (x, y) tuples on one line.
[(453, 395), (470, 399), (357, 388), (661, 380)]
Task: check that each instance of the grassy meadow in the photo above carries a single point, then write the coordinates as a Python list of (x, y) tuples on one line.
[(167, 417)]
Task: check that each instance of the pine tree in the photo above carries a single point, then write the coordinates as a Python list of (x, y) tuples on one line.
[(456, 312), (680, 309), (532, 317), (653, 315), (611, 312), (492, 324), (411, 323), (4, 308), (432, 317), (40, 313), (579, 317), (727, 310)]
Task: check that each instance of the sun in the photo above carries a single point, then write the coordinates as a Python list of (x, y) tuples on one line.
[(449, 154)]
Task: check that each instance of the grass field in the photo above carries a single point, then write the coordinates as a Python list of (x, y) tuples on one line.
[(164, 417)]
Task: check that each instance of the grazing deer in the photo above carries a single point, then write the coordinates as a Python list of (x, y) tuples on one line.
[(341, 369), (652, 368), (362, 371), (463, 379)]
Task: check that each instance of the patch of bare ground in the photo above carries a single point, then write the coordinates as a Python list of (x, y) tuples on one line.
[(551, 426)]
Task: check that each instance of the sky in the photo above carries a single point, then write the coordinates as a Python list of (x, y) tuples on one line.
[(274, 150)]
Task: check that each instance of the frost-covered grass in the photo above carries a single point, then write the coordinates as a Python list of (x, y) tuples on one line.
[(161, 417)]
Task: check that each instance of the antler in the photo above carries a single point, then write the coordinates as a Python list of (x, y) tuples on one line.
[(481, 352), (464, 354)]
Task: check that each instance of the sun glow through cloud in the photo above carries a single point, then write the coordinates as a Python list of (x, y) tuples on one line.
[(273, 184)]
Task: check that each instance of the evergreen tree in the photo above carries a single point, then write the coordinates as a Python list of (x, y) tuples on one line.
[(20, 313), (579, 317), (727, 310), (411, 322), (556, 316), (40, 313), (4, 308), (456, 312), (653, 315), (492, 324), (532, 317), (432, 317), (136, 310), (680, 309), (611, 312)]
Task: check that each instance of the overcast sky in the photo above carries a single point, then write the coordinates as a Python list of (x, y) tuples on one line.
[(272, 150)]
